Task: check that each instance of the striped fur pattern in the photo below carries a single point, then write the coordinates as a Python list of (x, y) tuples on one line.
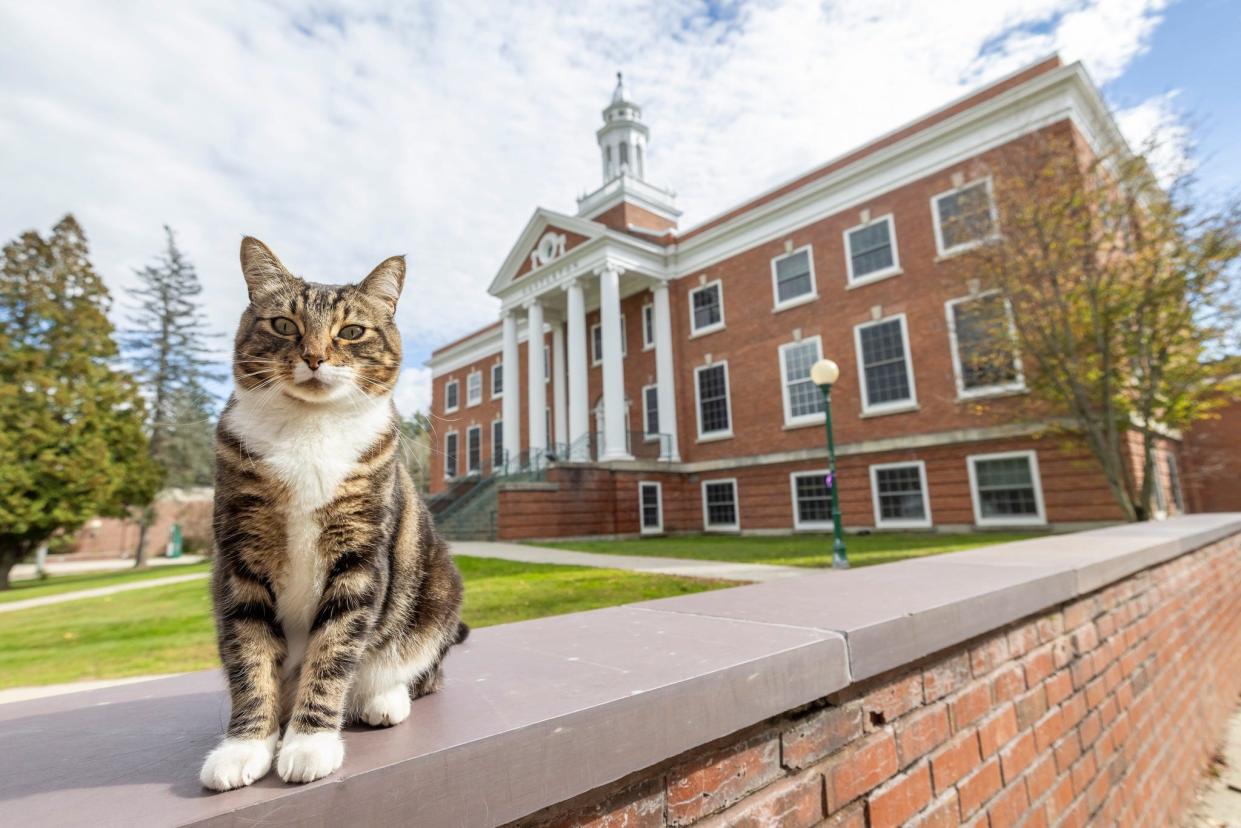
[(335, 599)]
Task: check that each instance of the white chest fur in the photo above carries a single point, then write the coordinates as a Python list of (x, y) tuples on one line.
[(311, 450)]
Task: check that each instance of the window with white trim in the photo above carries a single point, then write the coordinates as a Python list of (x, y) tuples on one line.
[(648, 327), (719, 505), (1006, 488), (803, 402), (650, 411), (714, 408), (497, 380), (474, 388), (792, 278), (596, 342), (706, 308), (883, 363), (870, 251), (900, 495), (650, 507), (474, 449), (450, 454), (963, 217), (452, 398), (497, 444), (812, 500), (984, 356), (1174, 481), (547, 363)]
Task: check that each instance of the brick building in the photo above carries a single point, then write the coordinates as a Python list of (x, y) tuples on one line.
[(671, 383)]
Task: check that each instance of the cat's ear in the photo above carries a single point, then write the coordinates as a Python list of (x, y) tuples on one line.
[(263, 271), (385, 281)]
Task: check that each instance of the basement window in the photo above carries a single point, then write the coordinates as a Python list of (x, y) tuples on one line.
[(719, 506)]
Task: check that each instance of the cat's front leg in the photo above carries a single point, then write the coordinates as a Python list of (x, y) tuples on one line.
[(312, 747)]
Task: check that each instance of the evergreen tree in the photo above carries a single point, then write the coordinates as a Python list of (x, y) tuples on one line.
[(72, 444), (166, 345)]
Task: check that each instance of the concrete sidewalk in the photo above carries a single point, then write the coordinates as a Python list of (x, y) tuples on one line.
[(683, 567), (25, 572), (98, 592)]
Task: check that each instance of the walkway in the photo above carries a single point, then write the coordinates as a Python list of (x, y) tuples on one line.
[(683, 567), (98, 592), (1218, 804), (25, 572)]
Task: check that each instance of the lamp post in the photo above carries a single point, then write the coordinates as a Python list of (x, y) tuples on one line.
[(823, 374)]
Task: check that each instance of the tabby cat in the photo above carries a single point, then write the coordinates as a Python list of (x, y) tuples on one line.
[(335, 599)]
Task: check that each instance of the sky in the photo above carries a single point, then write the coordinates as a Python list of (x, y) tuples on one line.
[(343, 133)]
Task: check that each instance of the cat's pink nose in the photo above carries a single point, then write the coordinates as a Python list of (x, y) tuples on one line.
[(313, 360)]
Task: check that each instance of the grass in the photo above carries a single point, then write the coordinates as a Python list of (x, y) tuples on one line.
[(54, 584), (168, 629), (792, 550)]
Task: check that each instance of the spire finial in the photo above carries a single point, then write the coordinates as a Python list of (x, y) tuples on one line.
[(619, 94)]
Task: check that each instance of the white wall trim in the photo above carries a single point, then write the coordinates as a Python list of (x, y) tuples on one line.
[(880, 522)]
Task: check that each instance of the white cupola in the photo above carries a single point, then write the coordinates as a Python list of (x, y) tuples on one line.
[(623, 136)]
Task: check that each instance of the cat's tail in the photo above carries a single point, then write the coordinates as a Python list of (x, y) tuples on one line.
[(463, 632)]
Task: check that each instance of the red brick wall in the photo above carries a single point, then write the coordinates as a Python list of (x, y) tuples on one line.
[(1102, 711), (1212, 463)]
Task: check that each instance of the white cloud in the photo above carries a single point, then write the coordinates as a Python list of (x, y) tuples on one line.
[(354, 131), (413, 390), (1157, 128)]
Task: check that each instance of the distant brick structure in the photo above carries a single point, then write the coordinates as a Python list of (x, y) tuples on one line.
[(118, 538)]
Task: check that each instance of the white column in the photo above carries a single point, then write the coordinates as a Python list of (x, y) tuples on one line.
[(614, 447), (559, 415), (537, 411), (579, 413), (665, 380), (511, 404)]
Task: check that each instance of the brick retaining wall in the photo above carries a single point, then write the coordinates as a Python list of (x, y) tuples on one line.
[(1101, 711)]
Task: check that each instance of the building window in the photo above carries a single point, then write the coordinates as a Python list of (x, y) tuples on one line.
[(803, 402), (714, 409), (474, 449), (706, 308), (883, 363), (497, 380), (474, 388), (648, 327), (548, 437), (1174, 480), (450, 455), (870, 251), (900, 495), (1006, 489), (964, 217), (596, 341), (624, 154), (981, 333), (650, 411), (719, 506), (497, 444), (651, 507), (452, 399), (792, 278), (812, 500), (547, 363)]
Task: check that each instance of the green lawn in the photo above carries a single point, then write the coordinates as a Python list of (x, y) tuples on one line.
[(21, 590), (792, 550), (168, 629)]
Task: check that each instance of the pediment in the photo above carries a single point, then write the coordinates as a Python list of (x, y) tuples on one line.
[(547, 237)]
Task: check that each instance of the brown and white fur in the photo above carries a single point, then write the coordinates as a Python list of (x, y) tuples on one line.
[(335, 598)]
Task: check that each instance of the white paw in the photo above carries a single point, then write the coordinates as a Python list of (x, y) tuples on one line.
[(237, 762), (305, 757), (388, 708)]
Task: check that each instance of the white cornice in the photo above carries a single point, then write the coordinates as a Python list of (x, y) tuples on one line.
[(627, 188), (539, 220)]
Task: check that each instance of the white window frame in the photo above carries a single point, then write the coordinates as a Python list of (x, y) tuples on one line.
[(497, 367), (457, 463), (896, 406), (1034, 520), (776, 304), (652, 436), (728, 403), (900, 523), (1172, 467), (470, 399), (597, 359), (643, 529), (1017, 386), (888, 272), (940, 250), (447, 385), (708, 329), (798, 523), (803, 419), (479, 470), (648, 310), (735, 527), (494, 457)]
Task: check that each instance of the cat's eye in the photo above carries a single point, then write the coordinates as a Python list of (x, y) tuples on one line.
[(351, 332), (284, 326)]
